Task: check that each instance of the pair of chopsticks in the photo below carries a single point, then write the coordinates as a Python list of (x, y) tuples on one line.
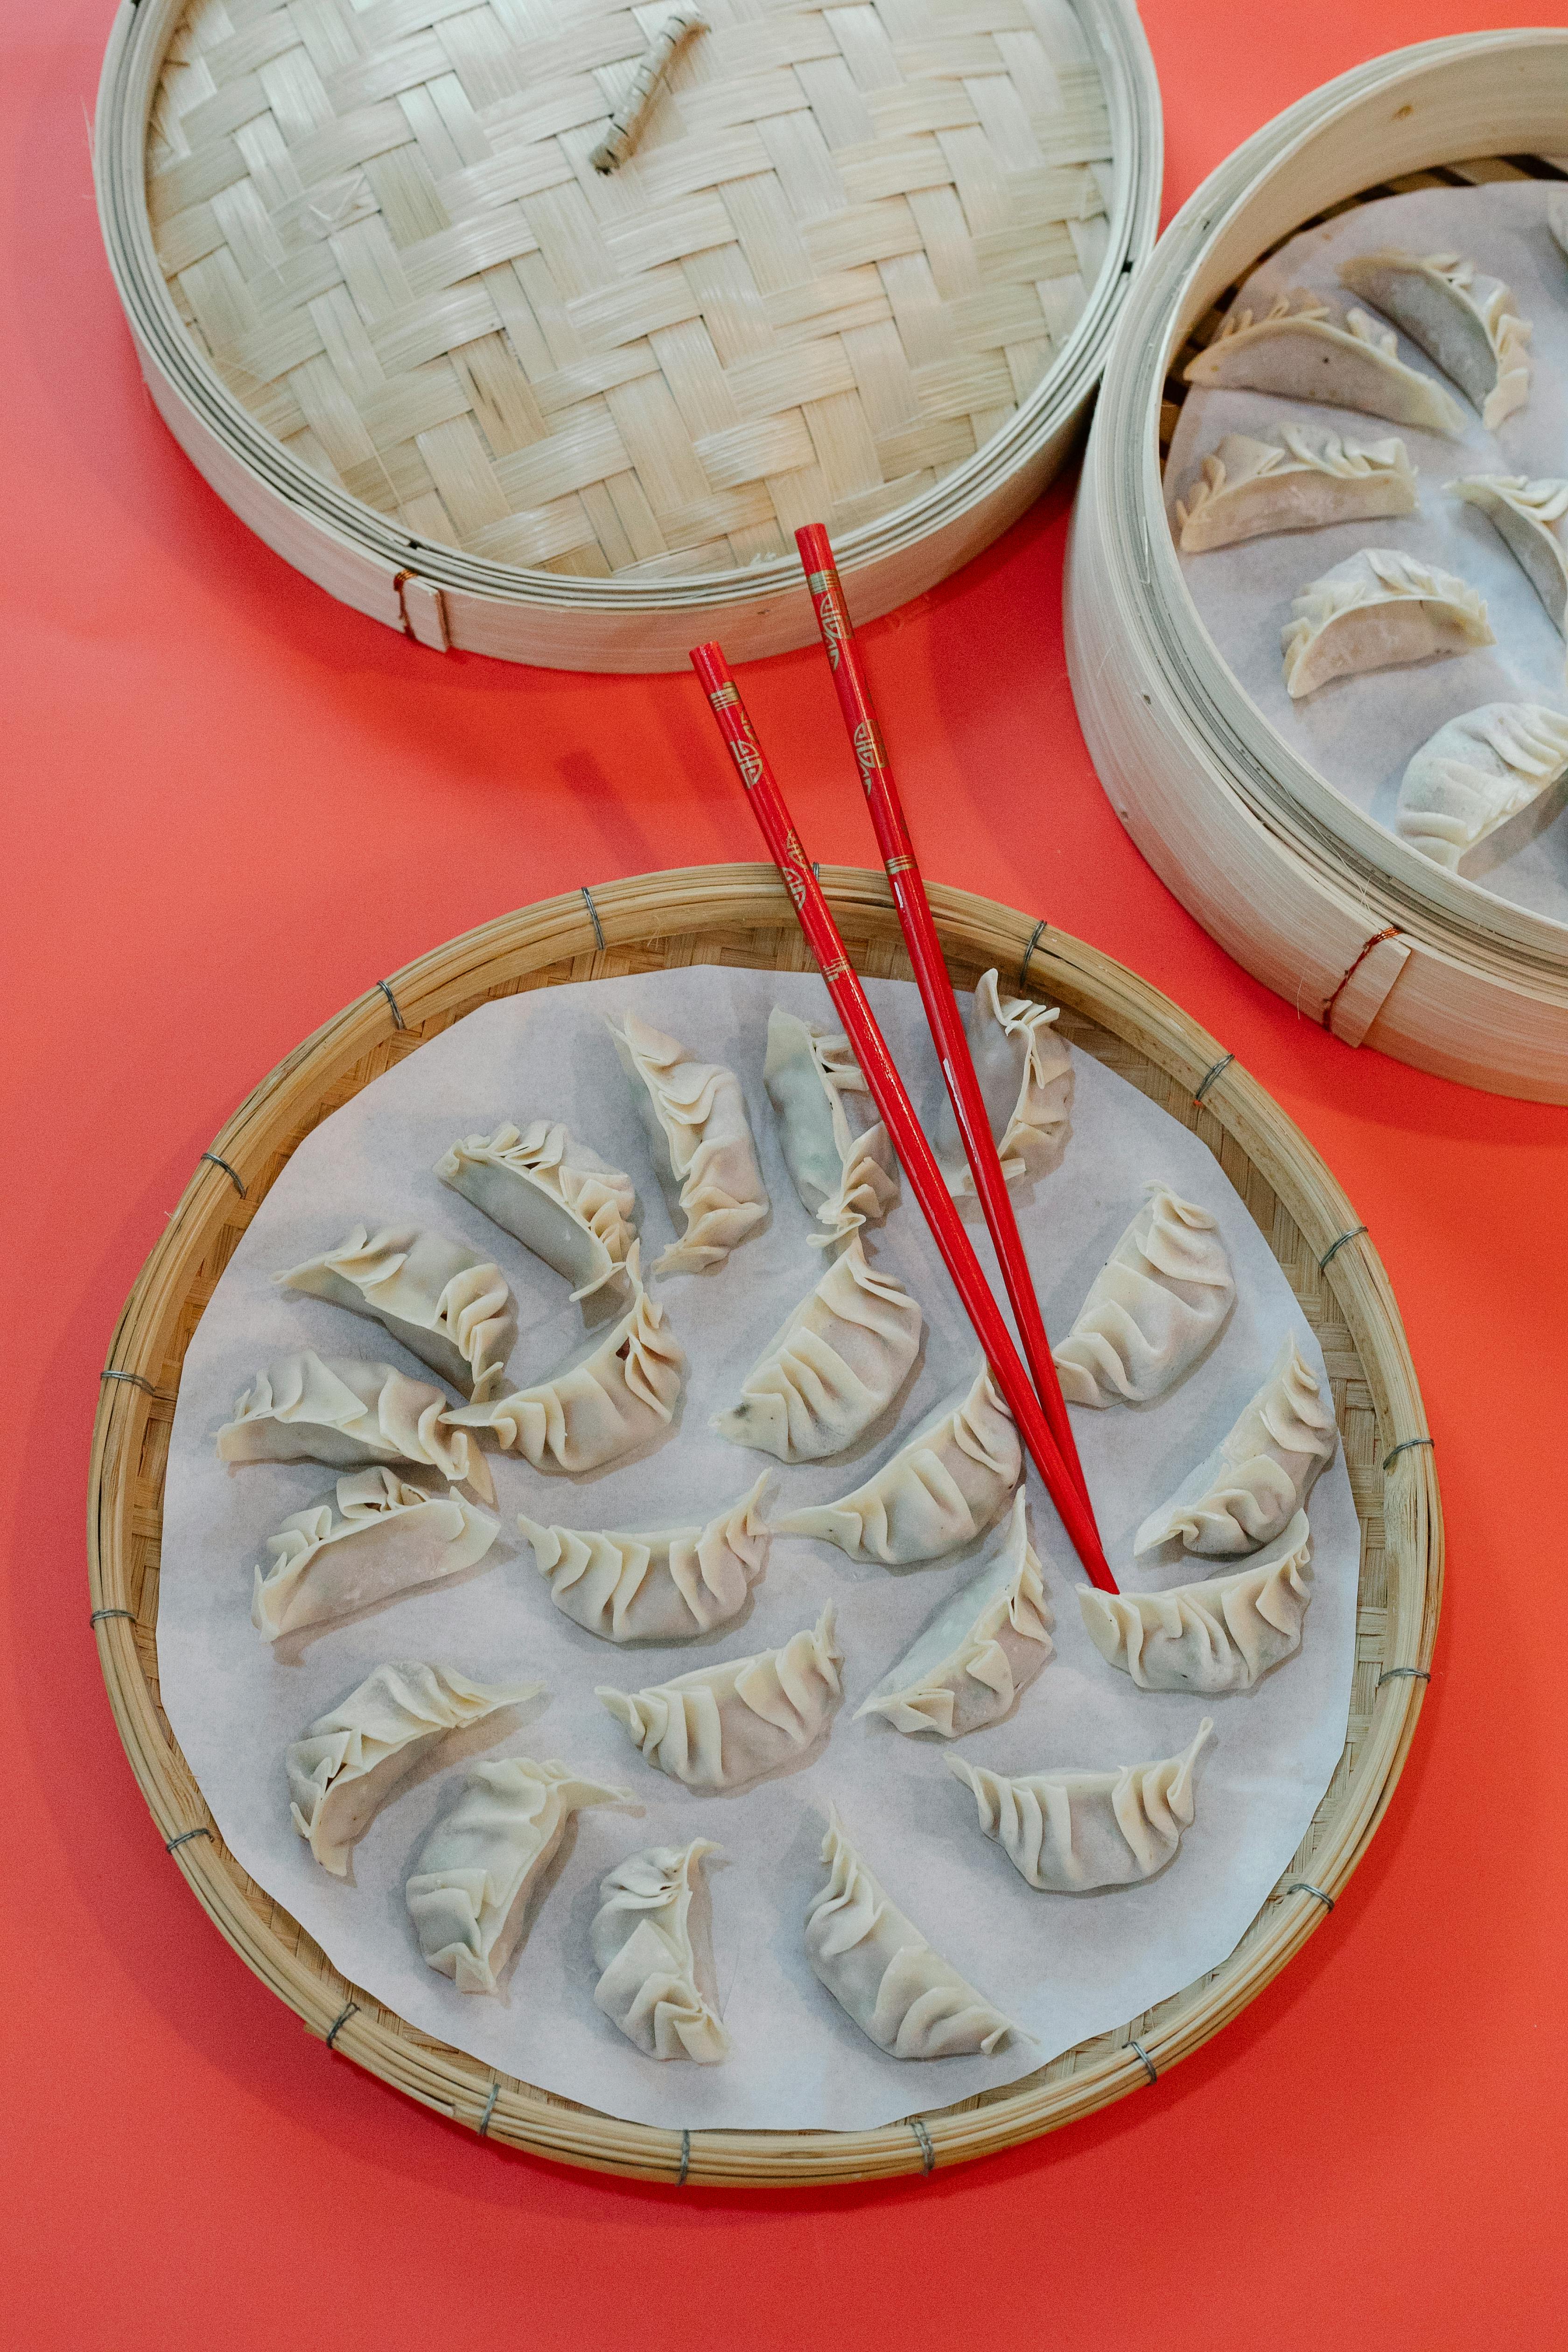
[(1038, 1409)]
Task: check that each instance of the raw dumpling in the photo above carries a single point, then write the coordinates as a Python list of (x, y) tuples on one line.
[(345, 1413), (1025, 1076), (1528, 517), (650, 1939), (1222, 1635), (469, 1893), (1467, 324), (1557, 219), (939, 1490), (450, 1308), (726, 1725), (1300, 349), (388, 1538), (882, 1972), (832, 1368), (985, 1646), (1248, 488), (1258, 1478), (1485, 785), (1377, 610), (695, 1115), (616, 1395), (669, 1587), (555, 1195), (1152, 1307), (359, 1753), (1068, 1831), (836, 1150)]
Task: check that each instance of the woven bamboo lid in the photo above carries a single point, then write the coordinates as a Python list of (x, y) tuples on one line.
[(849, 252)]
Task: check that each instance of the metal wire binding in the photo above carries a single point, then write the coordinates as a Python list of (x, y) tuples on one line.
[(232, 1173), (1033, 942), (594, 917), (1148, 2066), (1404, 1446), (927, 2153), (1305, 1887), (1211, 1074), (1402, 1674), (386, 988), (183, 1838), (484, 2123), (137, 1381), (342, 2019), (98, 1614), (1334, 1248), (685, 2160)]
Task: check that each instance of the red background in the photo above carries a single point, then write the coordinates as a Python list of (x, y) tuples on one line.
[(232, 806)]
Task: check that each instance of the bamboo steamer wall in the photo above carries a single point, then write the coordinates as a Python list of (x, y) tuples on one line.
[(1348, 923), (860, 267)]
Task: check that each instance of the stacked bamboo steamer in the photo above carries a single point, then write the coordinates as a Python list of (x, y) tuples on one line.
[(860, 265), (1351, 925)]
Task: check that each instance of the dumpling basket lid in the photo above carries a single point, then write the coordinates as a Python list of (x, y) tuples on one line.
[(858, 264)]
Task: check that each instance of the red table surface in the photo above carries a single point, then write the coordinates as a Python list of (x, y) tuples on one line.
[(232, 805)]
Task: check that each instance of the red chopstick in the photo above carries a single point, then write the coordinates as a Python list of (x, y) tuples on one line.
[(931, 974), (918, 1160)]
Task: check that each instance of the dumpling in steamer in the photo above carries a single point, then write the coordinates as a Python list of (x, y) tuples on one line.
[(983, 1649), (1378, 610), (1221, 1635), (940, 1489), (650, 1939), (1068, 1831), (669, 1587), (832, 1367), (838, 1152), (448, 1307), (616, 1396), (1248, 490), (695, 1113), (1026, 1080), (346, 1413), (725, 1725), (555, 1195), (361, 1751), (1468, 324), (882, 1973), (1152, 1309), (1528, 519), (1300, 349), (387, 1538), (1484, 786), (469, 1893), (1258, 1478)]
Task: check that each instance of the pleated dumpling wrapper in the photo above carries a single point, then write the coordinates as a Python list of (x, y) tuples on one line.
[(832, 1368), (652, 1944), (1248, 488), (1302, 351), (552, 1193), (615, 1395), (1469, 324), (1221, 1635), (1484, 786), (983, 1648), (359, 1753), (1557, 220), (306, 1408), (942, 1488), (1378, 610), (1259, 1475), (882, 1973), (467, 1895), (669, 1586), (450, 1308), (1027, 1080), (385, 1538), (695, 1115), (1529, 518), (728, 1725), (838, 1152), (1068, 1831), (1152, 1309)]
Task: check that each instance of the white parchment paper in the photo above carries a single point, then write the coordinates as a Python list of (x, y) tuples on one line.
[(1359, 732), (1063, 1967)]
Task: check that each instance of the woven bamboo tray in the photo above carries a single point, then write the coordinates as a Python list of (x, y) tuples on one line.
[(1348, 923), (860, 267), (739, 915)]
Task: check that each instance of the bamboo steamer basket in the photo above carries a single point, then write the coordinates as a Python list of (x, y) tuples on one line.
[(1351, 925), (739, 915), (860, 267)]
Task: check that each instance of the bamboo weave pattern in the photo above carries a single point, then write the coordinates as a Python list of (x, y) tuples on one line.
[(846, 246)]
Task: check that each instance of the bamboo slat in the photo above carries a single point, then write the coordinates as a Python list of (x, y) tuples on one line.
[(739, 915)]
